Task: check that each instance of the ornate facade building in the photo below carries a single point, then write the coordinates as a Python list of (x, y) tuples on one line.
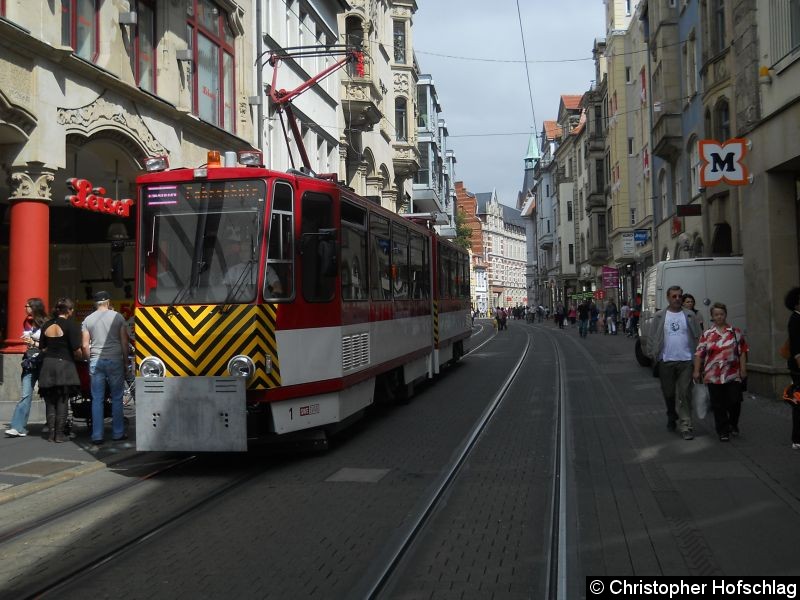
[(498, 248), (88, 90), (378, 145)]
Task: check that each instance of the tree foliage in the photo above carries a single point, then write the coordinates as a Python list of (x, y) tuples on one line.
[(463, 232)]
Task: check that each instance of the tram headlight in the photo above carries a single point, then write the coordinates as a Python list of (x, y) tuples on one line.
[(241, 366), (156, 163), (152, 367)]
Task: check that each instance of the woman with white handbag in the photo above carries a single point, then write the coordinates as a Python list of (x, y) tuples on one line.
[(720, 362)]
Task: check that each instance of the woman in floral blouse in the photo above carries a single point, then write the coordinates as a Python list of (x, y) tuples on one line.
[(721, 356)]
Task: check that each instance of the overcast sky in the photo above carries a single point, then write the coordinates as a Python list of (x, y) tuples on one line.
[(480, 97)]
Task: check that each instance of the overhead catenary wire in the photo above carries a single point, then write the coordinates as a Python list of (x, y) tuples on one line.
[(378, 44), (527, 68)]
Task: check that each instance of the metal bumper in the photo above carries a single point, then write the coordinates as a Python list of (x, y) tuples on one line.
[(192, 414)]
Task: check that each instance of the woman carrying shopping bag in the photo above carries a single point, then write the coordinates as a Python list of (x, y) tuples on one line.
[(720, 362)]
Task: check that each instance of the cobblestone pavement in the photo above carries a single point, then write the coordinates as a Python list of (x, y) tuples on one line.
[(641, 500)]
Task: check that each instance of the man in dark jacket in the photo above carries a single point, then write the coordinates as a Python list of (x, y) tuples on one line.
[(673, 335)]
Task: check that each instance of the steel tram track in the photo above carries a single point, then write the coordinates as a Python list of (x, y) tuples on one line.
[(84, 568), (556, 586), (378, 579), (12, 534)]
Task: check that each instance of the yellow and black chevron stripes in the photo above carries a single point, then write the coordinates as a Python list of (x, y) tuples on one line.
[(200, 340), (436, 322)]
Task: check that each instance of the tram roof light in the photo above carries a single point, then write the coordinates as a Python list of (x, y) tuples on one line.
[(156, 163), (214, 159), (251, 158)]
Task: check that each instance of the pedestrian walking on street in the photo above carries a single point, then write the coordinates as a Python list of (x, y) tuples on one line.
[(636, 312), (672, 348), (560, 315), (720, 362), (624, 315), (572, 315), (105, 344), (35, 317), (792, 302), (611, 318), (594, 317), (58, 379), (583, 319), (689, 302)]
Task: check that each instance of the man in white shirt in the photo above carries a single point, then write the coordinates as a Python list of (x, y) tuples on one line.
[(675, 334)]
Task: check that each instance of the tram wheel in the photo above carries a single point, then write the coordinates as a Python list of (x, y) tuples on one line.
[(394, 389)]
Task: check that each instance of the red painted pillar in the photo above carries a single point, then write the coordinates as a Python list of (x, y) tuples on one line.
[(28, 251)]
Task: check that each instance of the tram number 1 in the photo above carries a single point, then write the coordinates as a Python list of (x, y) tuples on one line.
[(305, 411)]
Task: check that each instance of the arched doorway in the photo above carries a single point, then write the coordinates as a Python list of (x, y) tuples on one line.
[(91, 250)]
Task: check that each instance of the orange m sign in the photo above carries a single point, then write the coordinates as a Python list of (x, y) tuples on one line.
[(723, 162)]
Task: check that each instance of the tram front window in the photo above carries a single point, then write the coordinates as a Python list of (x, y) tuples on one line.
[(200, 242)]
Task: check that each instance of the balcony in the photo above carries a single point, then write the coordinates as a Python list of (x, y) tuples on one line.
[(667, 140), (360, 104), (597, 143), (598, 256), (425, 198), (595, 199), (405, 159), (546, 240)]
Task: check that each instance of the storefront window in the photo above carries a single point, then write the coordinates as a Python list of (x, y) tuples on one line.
[(79, 27), (211, 40), (143, 52)]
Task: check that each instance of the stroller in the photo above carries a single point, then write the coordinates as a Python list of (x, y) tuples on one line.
[(81, 404)]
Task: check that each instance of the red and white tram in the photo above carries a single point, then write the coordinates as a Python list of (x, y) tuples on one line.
[(271, 302)]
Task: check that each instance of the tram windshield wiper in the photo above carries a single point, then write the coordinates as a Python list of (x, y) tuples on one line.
[(245, 276), (179, 297)]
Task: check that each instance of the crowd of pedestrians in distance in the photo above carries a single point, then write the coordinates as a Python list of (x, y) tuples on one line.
[(689, 357)]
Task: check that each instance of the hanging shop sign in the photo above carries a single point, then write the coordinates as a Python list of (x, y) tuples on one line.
[(723, 162), (610, 277), (628, 244), (90, 198)]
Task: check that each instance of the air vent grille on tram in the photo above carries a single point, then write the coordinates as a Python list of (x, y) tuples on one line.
[(355, 351)]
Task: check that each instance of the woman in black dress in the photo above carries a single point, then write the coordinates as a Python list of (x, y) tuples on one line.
[(60, 342)]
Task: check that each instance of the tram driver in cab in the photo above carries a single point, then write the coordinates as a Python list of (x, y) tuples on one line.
[(241, 276)]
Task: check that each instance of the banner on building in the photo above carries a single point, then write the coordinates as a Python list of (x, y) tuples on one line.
[(610, 277)]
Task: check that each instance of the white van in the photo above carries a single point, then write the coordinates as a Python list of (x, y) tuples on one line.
[(709, 280)]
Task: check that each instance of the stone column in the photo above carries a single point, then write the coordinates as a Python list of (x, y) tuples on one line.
[(28, 247)]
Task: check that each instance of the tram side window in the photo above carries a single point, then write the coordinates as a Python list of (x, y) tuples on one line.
[(399, 261), (380, 282), (418, 266), (354, 253), (446, 272), (464, 261), (452, 266), (279, 280), (318, 247)]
